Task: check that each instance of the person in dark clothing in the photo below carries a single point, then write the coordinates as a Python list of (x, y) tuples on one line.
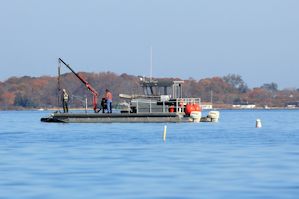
[(103, 105), (65, 100)]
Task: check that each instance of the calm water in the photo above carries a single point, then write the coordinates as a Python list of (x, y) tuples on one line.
[(229, 159)]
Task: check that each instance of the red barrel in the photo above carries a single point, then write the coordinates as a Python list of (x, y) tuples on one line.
[(189, 108), (171, 109)]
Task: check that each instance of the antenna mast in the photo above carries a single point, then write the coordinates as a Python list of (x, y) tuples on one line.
[(151, 61)]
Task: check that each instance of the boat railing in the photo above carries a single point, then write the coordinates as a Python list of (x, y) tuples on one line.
[(177, 105), (141, 102), (182, 102)]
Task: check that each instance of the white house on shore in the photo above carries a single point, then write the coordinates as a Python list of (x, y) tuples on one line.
[(244, 106), (206, 106)]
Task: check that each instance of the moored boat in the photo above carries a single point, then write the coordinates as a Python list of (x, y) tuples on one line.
[(162, 101)]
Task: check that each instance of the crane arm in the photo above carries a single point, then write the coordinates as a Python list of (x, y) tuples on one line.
[(88, 86)]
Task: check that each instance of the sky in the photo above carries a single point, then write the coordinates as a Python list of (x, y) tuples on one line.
[(257, 39)]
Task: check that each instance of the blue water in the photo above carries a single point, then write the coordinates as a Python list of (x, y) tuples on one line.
[(229, 159)]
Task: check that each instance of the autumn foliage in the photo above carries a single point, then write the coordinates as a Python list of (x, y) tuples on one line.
[(36, 92)]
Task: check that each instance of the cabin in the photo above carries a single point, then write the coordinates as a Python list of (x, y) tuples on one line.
[(158, 97)]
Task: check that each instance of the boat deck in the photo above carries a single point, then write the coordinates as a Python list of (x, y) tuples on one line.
[(115, 117)]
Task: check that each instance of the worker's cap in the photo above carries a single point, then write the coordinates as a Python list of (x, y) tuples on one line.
[(63, 90)]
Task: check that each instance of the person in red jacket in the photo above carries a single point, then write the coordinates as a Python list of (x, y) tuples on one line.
[(108, 97)]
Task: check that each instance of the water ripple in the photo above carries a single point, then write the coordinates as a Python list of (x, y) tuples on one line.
[(229, 159)]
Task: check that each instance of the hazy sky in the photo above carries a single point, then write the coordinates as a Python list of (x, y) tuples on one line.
[(258, 39)]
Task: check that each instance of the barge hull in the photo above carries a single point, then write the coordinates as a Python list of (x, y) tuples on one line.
[(115, 118)]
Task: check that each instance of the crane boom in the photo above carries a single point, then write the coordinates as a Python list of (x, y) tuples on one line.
[(89, 87)]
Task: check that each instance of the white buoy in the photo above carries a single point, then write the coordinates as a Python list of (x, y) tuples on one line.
[(164, 133), (258, 123)]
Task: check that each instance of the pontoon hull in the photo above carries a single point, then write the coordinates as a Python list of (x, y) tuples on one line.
[(114, 118)]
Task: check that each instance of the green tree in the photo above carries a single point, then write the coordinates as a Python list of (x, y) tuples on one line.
[(237, 82), (272, 87), (24, 101)]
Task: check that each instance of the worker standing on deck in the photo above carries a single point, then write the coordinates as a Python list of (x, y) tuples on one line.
[(65, 100), (108, 97)]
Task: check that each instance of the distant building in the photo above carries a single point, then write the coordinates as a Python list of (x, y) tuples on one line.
[(205, 105), (243, 105), (292, 104)]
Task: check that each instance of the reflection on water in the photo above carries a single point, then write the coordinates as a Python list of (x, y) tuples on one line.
[(229, 159)]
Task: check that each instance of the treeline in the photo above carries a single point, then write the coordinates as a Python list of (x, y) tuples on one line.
[(42, 92)]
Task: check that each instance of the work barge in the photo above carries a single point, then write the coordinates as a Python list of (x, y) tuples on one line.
[(161, 102)]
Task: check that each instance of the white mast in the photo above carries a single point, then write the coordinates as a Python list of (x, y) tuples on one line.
[(151, 62)]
